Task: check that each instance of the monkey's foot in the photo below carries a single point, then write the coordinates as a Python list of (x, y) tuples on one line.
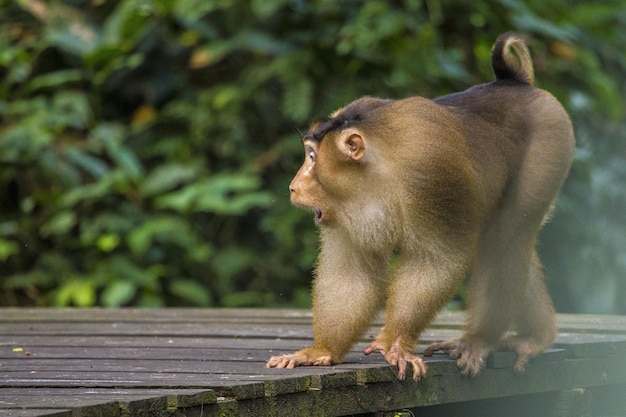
[(399, 357), (312, 356), (525, 348), (469, 354)]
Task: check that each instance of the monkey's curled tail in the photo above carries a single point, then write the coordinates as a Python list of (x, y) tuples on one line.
[(511, 60)]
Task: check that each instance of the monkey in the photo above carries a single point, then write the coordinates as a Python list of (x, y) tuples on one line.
[(449, 189)]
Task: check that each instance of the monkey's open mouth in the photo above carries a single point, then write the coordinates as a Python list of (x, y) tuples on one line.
[(319, 215)]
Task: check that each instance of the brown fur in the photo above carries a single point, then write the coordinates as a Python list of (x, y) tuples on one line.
[(455, 186)]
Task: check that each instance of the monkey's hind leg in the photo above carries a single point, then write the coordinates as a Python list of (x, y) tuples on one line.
[(469, 352), (507, 294), (499, 278), (535, 323)]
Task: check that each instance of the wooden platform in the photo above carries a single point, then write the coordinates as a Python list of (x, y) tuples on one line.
[(210, 362)]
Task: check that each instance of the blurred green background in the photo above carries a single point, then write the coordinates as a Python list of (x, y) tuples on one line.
[(146, 146)]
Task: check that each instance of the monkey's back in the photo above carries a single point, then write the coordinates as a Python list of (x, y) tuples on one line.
[(512, 128)]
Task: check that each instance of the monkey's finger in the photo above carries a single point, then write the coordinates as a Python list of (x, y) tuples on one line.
[(429, 351), (520, 365), (322, 361), (470, 364), (282, 363), (273, 362), (433, 348), (374, 347), (419, 369), (401, 369), (450, 348)]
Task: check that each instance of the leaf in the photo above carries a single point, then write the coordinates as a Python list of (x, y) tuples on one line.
[(78, 292), (105, 58), (233, 204), (166, 177), (108, 242), (71, 109), (127, 160), (121, 268), (143, 116), (107, 134), (35, 278), (181, 201), (86, 192), (24, 141), (195, 9), (246, 299), (60, 224), (224, 95), (53, 163), (229, 194), (117, 223), (265, 8), (118, 294), (78, 39), (7, 248), (93, 165), (167, 230), (298, 100), (192, 291), (55, 79), (228, 262), (129, 21)]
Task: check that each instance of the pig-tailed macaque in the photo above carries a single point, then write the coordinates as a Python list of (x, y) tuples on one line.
[(449, 188)]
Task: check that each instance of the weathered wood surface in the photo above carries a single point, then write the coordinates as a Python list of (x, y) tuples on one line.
[(210, 362)]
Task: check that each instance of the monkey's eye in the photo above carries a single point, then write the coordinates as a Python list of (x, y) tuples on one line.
[(311, 155)]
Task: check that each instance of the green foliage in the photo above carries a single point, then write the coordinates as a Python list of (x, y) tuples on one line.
[(146, 145)]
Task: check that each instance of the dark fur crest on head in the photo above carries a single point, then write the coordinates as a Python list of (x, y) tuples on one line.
[(349, 116), (330, 124)]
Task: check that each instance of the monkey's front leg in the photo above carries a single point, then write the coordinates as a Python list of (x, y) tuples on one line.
[(419, 289), (347, 291)]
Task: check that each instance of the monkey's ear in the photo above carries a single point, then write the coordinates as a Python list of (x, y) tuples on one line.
[(352, 145)]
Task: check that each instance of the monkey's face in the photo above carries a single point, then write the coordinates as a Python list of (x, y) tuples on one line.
[(305, 188), (327, 182), (323, 181)]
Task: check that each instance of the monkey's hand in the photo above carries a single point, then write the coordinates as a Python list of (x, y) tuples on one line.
[(470, 355), (306, 357), (399, 357)]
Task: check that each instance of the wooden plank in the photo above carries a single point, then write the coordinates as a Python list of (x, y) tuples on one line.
[(584, 345), (171, 329), (35, 413), (452, 388), (33, 344), (172, 315), (207, 362), (452, 320), (505, 359), (587, 323), (54, 398)]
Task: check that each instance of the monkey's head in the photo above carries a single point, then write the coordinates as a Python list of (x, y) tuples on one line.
[(337, 161)]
